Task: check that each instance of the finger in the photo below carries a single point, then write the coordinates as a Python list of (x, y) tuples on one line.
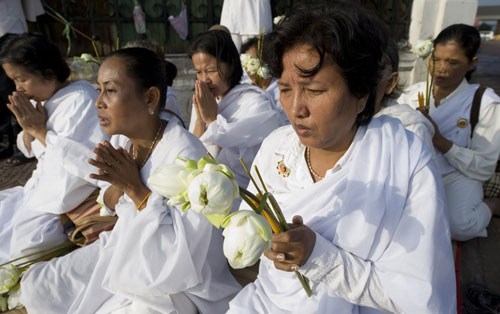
[(297, 220), (100, 177), (23, 102), (126, 155), (101, 165), (13, 108), (286, 267), (109, 153), (15, 104)]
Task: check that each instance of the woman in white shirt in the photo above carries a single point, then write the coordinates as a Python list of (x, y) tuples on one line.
[(158, 258), (368, 220), (63, 120), (231, 119), (465, 160), (387, 92)]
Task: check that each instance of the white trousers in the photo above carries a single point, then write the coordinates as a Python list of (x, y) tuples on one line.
[(469, 215), (240, 39)]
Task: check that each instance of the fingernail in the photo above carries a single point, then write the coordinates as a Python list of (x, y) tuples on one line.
[(280, 257), (295, 268)]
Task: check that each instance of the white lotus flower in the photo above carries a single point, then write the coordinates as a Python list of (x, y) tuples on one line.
[(3, 303), (277, 20), (252, 66), (172, 181), (244, 57), (87, 57), (423, 48), (246, 236), (212, 192), (264, 72), (8, 278), (13, 301)]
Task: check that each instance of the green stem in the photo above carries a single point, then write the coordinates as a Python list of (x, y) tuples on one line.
[(250, 176), (37, 253), (278, 212), (305, 283)]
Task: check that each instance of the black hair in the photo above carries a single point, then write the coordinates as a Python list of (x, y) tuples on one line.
[(352, 36), (250, 43), (36, 55), (146, 68), (171, 72), (467, 38), (7, 85), (220, 45), (390, 63)]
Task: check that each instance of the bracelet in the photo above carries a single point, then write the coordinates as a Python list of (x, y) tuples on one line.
[(144, 200)]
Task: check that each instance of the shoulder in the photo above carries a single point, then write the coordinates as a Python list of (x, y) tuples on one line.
[(180, 142), (409, 95), (490, 98), (279, 139), (80, 89)]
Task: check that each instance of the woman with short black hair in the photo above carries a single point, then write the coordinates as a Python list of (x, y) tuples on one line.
[(466, 157), (231, 119), (366, 210), (62, 122)]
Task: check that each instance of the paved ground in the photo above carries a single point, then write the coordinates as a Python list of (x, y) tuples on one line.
[(480, 258)]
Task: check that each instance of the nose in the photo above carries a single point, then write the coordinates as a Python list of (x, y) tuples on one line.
[(19, 88), (441, 67), (99, 103), (298, 105), (204, 77)]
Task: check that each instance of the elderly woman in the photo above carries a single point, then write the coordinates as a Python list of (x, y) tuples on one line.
[(231, 119), (63, 121), (466, 156), (367, 211), (157, 259)]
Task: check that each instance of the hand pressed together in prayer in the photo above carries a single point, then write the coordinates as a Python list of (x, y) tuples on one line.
[(439, 141), (206, 107), (117, 167), (291, 249), (32, 120)]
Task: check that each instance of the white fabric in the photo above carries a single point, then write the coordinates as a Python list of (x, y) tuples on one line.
[(382, 237), (157, 260), (246, 116), (12, 18), (274, 92), (470, 160), (53, 188), (171, 102), (244, 17), (476, 158), (32, 9), (412, 121)]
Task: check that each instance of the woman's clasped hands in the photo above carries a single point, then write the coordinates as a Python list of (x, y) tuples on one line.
[(117, 167), (32, 120)]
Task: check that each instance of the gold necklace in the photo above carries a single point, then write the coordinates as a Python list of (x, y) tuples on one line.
[(135, 153), (308, 161)]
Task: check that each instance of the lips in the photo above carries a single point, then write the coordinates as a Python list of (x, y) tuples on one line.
[(301, 130), (103, 121)]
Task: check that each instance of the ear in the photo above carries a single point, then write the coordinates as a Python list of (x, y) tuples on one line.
[(49, 74), (153, 97), (473, 63), (392, 83)]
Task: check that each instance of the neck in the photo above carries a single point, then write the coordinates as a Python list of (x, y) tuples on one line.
[(440, 92), (143, 138), (322, 159)]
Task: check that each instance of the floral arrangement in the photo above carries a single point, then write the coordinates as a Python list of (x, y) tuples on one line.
[(278, 19), (424, 49), (85, 66), (11, 274), (209, 188), (254, 67)]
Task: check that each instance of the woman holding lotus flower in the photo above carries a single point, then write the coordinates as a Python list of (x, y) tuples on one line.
[(465, 157), (158, 258), (369, 227)]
